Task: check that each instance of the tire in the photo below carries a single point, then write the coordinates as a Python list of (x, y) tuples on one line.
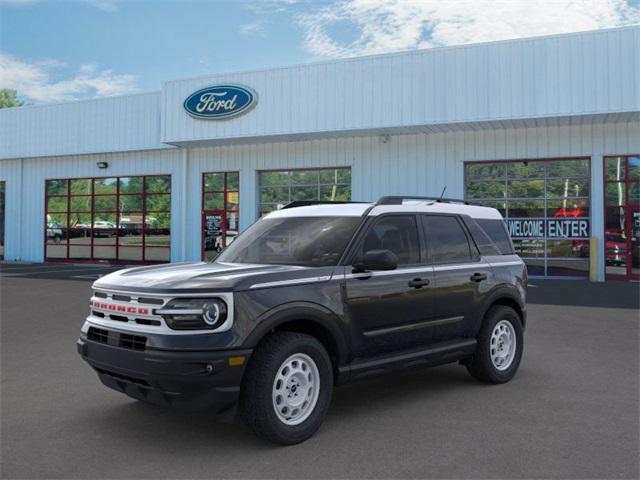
[(261, 391), (500, 322)]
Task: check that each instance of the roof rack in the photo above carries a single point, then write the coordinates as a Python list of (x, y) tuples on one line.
[(397, 200), (306, 203)]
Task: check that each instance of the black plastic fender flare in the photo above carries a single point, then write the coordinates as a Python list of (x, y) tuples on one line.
[(302, 311)]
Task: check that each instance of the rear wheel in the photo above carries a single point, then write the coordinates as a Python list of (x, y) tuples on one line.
[(287, 388), (500, 346)]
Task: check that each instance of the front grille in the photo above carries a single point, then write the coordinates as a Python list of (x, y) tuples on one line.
[(128, 309), (133, 342), (121, 298), (98, 335), (150, 301), (146, 321), (122, 340)]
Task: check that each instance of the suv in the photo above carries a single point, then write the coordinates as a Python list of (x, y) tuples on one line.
[(309, 297)]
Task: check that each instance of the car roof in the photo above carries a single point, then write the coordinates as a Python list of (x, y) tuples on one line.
[(358, 209)]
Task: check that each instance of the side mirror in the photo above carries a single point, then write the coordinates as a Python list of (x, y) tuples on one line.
[(377, 260)]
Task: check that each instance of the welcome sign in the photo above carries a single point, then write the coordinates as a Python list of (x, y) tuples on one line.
[(556, 228), (220, 102)]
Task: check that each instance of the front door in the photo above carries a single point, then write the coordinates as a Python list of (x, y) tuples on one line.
[(214, 233), (622, 217), (389, 309)]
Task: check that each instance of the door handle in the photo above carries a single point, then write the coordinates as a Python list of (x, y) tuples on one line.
[(478, 277), (418, 282)]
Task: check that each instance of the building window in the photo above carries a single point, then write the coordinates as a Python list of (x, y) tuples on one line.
[(2, 188), (546, 204), (622, 217), (119, 219), (277, 188), (220, 211)]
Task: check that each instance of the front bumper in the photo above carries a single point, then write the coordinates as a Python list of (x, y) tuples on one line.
[(194, 380)]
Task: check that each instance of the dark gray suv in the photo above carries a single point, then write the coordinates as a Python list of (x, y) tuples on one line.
[(310, 297)]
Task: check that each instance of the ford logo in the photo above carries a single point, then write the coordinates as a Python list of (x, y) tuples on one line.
[(220, 101)]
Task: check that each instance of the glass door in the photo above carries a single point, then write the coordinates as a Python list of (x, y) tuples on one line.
[(2, 187), (622, 217), (220, 211)]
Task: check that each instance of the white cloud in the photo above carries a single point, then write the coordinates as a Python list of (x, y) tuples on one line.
[(252, 28), (34, 80), (104, 5), (390, 25)]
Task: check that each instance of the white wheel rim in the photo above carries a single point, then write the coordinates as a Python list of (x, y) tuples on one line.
[(503, 345), (296, 389)]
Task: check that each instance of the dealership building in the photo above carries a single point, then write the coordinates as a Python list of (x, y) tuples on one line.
[(545, 129)]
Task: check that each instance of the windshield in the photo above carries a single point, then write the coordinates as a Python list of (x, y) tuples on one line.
[(305, 241)]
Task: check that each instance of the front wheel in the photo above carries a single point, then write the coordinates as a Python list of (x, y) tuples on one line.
[(500, 346), (287, 388)]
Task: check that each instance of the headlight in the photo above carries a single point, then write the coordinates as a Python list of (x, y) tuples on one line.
[(194, 313)]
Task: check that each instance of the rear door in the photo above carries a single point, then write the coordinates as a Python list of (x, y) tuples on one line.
[(460, 276), (388, 309)]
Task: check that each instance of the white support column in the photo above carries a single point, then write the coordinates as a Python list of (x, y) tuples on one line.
[(597, 211), (184, 204), (248, 197)]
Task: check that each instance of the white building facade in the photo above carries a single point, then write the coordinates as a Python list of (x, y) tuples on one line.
[(545, 129)]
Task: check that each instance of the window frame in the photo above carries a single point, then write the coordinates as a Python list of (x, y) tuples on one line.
[(627, 207), (225, 210), (117, 213), (3, 216), (544, 260), (289, 185)]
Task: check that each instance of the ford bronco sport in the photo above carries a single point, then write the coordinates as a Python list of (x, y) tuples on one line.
[(309, 297)]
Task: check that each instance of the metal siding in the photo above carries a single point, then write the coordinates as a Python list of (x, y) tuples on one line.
[(25, 196), (92, 126), (557, 76)]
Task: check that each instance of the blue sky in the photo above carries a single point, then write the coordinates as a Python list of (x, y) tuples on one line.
[(63, 50)]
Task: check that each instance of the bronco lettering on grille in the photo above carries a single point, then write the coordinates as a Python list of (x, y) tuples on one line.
[(119, 308)]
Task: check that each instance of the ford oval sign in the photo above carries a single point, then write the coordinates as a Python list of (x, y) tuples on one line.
[(220, 102)]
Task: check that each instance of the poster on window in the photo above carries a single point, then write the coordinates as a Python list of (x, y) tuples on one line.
[(213, 241), (553, 228)]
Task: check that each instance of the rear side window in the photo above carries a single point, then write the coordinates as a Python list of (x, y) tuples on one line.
[(497, 232), (484, 243), (397, 233), (446, 239)]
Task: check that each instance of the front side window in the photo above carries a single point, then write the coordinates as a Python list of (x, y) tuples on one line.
[(277, 188), (304, 241), (446, 240), (398, 234)]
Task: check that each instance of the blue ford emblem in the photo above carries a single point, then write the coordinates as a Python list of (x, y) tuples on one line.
[(220, 101)]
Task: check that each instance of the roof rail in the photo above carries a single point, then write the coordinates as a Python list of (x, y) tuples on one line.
[(397, 200), (306, 203)]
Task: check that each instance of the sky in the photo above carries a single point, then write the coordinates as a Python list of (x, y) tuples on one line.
[(55, 50)]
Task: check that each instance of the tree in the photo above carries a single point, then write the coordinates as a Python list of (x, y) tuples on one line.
[(8, 98)]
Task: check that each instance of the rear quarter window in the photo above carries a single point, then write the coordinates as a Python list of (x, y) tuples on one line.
[(496, 230)]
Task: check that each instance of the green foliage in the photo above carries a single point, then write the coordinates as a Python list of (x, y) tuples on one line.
[(8, 98)]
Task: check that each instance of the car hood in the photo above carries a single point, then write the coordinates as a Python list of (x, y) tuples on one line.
[(200, 276)]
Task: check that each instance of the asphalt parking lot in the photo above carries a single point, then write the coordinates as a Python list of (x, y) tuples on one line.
[(571, 412)]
